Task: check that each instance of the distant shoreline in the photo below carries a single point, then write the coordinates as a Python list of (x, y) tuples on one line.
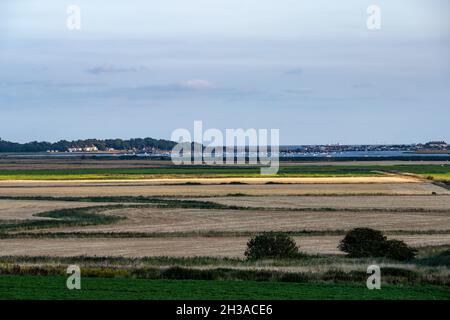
[(429, 152)]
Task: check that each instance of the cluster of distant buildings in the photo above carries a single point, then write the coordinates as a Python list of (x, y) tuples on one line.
[(431, 146), (77, 149), (93, 148), (84, 149)]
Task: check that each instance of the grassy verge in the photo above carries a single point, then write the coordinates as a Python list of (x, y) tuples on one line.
[(430, 268), (424, 253), (390, 274), (54, 287)]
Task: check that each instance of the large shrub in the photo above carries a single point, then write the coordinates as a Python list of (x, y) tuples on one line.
[(366, 242), (398, 250), (439, 259), (271, 245), (363, 242)]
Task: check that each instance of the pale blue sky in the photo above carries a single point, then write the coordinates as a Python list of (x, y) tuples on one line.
[(144, 68)]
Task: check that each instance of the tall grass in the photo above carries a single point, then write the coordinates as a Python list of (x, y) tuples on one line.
[(391, 275)]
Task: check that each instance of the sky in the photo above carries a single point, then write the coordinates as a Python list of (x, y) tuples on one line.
[(144, 68)]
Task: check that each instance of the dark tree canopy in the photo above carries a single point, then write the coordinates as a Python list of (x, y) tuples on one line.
[(366, 242), (363, 242), (102, 145), (271, 245)]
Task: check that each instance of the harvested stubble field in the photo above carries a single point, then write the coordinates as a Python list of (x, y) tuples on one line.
[(178, 246), (177, 220), (434, 202), (315, 186), (388, 203), (316, 210), (174, 221), (25, 209)]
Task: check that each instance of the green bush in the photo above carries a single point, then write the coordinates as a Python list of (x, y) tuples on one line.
[(439, 259), (363, 242), (366, 242), (271, 245), (398, 250)]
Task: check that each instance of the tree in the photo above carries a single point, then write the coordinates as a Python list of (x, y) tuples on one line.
[(63, 145), (363, 242), (271, 245), (398, 250)]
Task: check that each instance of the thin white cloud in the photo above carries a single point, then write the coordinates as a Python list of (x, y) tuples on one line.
[(110, 68), (198, 84)]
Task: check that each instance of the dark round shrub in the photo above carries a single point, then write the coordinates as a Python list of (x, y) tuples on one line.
[(271, 245), (398, 250), (363, 242), (439, 259)]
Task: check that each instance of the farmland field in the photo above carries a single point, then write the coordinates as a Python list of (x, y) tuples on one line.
[(441, 171), (177, 220), (153, 215), (322, 186), (224, 150), (25, 209), (186, 246), (342, 201), (42, 288)]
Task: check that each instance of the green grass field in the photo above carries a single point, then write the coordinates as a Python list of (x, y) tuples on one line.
[(167, 172), (436, 171), (54, 287)]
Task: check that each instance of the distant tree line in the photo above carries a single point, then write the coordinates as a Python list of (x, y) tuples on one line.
[(102, 145)]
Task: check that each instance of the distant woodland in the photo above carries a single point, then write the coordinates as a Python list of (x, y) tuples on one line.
[(102, 145)]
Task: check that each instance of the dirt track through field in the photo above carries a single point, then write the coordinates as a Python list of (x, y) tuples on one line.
[(177, 247)]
